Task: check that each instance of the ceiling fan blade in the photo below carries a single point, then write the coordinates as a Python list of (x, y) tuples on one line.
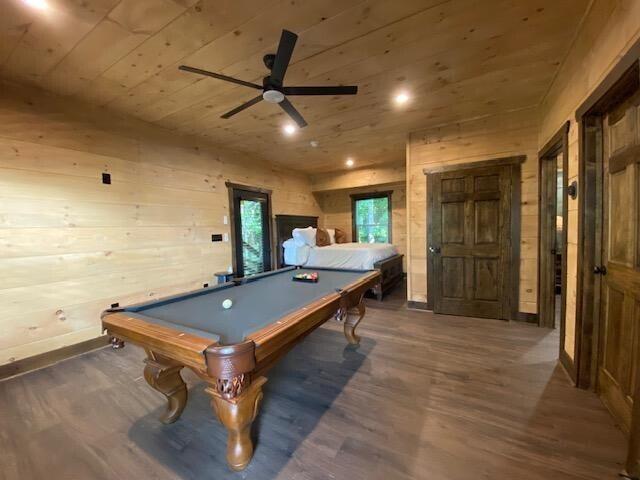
[(293, 113), (219, 76), (342, 90), (245, 105), (283, 56)]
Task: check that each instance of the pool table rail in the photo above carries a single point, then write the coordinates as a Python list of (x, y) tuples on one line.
[(291, 328), (183, 347)]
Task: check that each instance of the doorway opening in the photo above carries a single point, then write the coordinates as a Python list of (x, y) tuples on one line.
[(250, 210), (553, 207)]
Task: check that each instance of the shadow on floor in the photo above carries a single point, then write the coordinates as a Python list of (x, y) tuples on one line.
[(300, 389)]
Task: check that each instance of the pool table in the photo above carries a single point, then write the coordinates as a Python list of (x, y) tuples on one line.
[(232, 348)]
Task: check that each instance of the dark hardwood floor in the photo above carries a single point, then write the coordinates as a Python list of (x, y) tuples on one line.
[(425, 396)]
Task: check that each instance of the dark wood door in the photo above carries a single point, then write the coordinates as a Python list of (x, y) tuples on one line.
[(548, 242), (619, 268), (470, 231), (251, 232)]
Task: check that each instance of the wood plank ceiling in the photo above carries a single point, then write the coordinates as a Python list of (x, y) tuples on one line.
[(458, 59)]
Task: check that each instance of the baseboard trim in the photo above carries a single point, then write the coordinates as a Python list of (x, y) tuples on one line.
[(527, 317), (417, 305), (49, 358)]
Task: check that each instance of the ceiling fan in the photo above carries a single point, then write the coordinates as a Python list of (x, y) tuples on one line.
[(273, 91)]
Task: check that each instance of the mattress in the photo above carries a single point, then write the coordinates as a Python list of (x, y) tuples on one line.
[(346, 256)]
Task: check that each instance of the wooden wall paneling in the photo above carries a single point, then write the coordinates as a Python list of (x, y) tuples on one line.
[(383, 174), (71, 246), (439, 50), (513, 133), (609, 37)]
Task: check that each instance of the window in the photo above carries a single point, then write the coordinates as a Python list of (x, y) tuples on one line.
[(251, 232), (371, 217)]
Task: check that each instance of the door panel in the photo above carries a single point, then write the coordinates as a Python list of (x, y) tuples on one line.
[(487, 183), (620, 246), (453, 185), (470, 221), (487, 276), (453, 222), (620, 295), (487, 226), (453, 279)]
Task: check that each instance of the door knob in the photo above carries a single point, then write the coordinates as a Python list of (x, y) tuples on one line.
[(600, 270), (434, 250)]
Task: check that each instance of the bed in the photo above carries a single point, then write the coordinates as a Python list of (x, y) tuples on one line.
[(347, 256)]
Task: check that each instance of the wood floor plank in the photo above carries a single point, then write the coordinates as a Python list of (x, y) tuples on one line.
[(423, 397)]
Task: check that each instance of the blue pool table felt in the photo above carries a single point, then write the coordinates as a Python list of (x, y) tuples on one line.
[(256, 304)]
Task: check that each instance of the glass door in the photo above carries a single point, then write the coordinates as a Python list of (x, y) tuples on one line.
[(252, 232)]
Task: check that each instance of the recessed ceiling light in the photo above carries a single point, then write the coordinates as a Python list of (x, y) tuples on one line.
[(289, 129), (39, 4), (401, 98), (349, 162), (314, 143)]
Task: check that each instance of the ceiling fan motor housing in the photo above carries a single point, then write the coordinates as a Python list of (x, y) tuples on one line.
[(268, 60)]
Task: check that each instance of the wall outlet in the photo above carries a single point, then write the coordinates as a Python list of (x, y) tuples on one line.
[(225, 237)]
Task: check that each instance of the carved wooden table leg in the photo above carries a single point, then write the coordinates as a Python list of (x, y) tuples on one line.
[(163, 375), (351, 321), (237, 414)]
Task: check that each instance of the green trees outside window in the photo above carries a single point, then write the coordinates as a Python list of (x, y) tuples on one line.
[(252, 236), (371, 218)]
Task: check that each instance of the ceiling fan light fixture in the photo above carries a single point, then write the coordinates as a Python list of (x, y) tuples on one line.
[(273, 96), (289, 129)]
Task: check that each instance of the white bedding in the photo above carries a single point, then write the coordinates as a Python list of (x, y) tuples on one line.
[(346, 256)]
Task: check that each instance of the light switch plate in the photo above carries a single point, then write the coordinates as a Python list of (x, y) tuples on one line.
[(226, 237), (225, 220)]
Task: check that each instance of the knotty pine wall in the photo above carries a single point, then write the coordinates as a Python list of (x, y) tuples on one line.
[(502, 135), (71, 246), (336, 211), (608, 31)]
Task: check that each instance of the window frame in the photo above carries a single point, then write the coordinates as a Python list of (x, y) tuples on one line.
[(236, 190), (355, 197)]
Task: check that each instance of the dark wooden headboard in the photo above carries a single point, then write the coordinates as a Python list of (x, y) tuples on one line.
[(284, 227)]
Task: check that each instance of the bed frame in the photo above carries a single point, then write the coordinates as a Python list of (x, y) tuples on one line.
[(390, 268)]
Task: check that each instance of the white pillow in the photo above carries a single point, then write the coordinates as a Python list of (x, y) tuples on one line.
[(332, 235), (294, 254), (305, 236)]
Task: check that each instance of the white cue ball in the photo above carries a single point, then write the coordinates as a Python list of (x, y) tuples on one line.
[(227, 304)]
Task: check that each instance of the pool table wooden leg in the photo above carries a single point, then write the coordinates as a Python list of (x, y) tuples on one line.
[(237, 414), (352, 319), (163, 375)]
